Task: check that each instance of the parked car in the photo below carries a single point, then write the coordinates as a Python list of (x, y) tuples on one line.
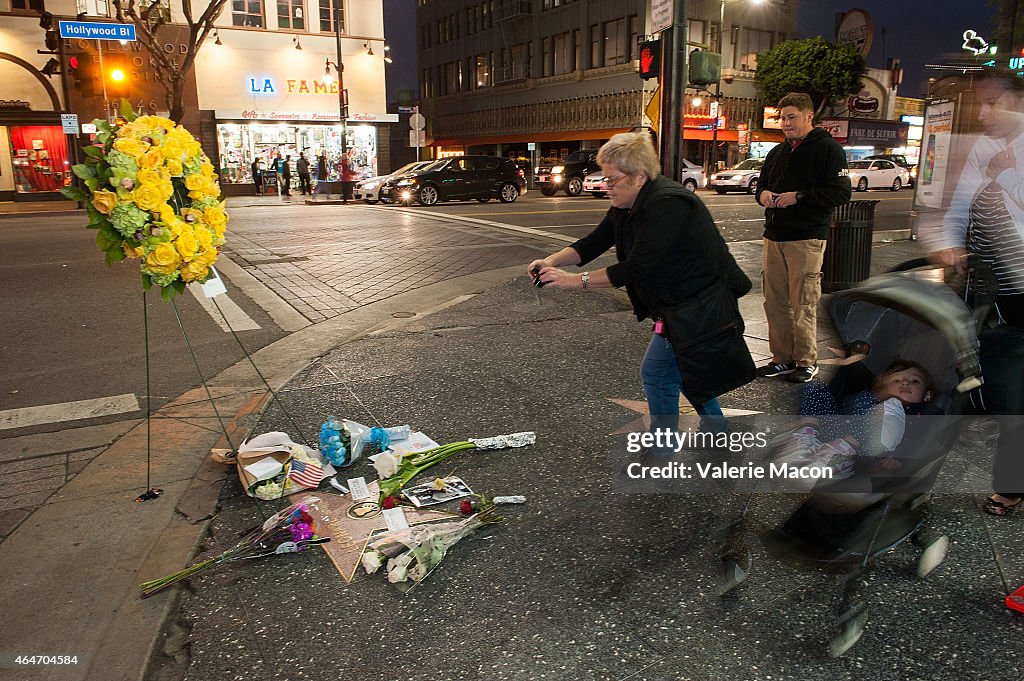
[(867, 174), (900, 160), (693, 177), (461, 177), (567, 175), (369, 189), (596, 183), (741, 177)]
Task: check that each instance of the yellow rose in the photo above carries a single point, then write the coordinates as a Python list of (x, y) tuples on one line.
[(174, 167), (204, 237), (132, 252), (195, 183), (207, 256), (152, 159), (206, 169), (186, 244), (129, 130), (147, 176), (132, 147), (104, 201), (172, 148), (166, 189), (148, 197), (163, 259), (194, 271)]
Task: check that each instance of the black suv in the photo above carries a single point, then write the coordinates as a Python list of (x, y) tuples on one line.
[(567, 175), (461, 177)]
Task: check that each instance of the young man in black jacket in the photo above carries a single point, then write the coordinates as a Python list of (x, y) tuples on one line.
[(802, 180)]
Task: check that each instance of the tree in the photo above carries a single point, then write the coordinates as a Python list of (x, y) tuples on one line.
[(825, 71), (152, 22)]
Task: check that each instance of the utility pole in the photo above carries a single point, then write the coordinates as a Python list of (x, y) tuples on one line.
[(673, 85)]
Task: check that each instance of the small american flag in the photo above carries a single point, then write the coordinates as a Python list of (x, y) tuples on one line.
[(305, 474)]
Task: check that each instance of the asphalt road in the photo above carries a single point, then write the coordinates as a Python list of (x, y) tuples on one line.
[(737, 215)]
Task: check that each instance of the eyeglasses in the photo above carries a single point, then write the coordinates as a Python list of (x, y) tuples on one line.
[(611, 182)]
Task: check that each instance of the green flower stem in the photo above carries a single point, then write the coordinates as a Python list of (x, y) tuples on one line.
[(413, 465)]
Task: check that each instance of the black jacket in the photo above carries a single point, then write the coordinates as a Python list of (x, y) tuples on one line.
[(676, 267), (817, 168)]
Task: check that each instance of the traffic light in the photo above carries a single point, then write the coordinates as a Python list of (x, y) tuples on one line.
[(83, 72), (52, 39), (705, 68), (650, 58), (51, 67)]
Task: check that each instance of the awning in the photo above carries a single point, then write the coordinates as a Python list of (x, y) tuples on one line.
[(767, 136), (699, 134)]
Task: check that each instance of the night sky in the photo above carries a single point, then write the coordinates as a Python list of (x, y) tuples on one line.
[(916, 31)]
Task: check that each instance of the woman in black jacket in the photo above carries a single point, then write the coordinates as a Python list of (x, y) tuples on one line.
[(677, 271)]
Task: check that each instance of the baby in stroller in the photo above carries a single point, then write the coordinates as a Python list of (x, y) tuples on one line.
[(866, 425)]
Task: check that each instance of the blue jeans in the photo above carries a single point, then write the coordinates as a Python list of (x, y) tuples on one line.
[(663, 383)]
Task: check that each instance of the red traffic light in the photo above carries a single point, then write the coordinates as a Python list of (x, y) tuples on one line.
[(73, 62), (650, 59)]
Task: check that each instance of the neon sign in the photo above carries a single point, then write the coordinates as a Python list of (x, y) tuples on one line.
[(266, 88), (974, 43)]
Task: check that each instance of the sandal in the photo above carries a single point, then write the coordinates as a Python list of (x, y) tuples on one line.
[(999, 508)]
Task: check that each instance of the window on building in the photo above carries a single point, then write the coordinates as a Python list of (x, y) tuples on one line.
[(425, 35), (545, 55), (481, 71), (615, 42), (289, 14), (750, 43), (488, 11), (27, 5), (247, 13), (715, 39), (595, 46), (631, 49), (327, 15), (695, 31), (562, 54), (93, 8), (450, 83), (577, 58)]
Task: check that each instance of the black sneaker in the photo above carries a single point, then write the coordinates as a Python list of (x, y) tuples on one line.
[(773, 369), (802, 374)]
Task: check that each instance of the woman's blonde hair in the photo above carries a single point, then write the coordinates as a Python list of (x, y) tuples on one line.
[(631, 152)]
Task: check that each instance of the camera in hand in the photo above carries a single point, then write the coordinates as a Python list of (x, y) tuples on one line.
[(536, 277)]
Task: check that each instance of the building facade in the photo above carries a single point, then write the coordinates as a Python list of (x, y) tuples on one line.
[(264, 83), (540, 78)]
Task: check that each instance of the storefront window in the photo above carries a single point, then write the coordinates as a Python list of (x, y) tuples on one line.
[(40, 158), (241, 143)]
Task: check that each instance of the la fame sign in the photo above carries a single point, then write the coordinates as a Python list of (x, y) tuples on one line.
[(295, 86)]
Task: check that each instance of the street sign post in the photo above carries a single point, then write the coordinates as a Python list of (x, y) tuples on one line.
[(97, 30), (417, 136)]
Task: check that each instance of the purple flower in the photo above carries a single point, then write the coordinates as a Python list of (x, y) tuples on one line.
[(301, 532), (156, 231), (128, 183)]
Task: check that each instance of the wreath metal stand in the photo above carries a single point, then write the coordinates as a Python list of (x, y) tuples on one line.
[(154, 492)]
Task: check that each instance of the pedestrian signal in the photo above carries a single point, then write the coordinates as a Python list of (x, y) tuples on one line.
[(650, 59)]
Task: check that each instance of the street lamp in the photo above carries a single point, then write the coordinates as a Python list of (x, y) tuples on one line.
[(339, 66)]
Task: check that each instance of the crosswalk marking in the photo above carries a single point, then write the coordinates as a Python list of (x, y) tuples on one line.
[(236, 317), (68, 411)]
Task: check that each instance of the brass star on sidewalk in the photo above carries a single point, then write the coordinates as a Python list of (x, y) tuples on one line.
[(644, 422)]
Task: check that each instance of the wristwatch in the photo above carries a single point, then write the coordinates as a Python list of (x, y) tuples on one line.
[(800, 196), (585, 278)]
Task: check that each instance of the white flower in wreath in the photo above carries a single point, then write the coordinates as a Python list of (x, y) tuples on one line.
[(372, 560)]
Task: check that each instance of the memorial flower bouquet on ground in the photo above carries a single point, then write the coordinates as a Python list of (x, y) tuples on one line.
[(287, 531), (409, 555), (152, 195), (395, 471)]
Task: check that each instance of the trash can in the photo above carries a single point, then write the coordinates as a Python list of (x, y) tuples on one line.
[(848, 251)]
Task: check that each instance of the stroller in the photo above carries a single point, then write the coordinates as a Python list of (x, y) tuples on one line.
[(844, 526)]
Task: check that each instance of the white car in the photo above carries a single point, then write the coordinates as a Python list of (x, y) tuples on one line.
[(740, 178), (596, 184), (369, 189), (869, 174), (693, 178)]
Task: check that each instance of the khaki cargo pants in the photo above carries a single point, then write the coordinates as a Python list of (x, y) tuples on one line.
[(791, 281)]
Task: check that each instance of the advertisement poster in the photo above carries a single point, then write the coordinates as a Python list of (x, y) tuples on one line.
[(936, 143)]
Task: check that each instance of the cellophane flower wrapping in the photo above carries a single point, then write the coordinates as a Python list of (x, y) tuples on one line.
[(152, 195), (290, 530), (409, 555)]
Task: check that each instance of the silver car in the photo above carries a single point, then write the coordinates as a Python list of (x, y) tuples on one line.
[(369, 189), (693, 178)]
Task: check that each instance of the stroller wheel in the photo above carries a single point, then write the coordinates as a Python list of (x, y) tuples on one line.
[(847, 636), (932, 556), (733, 575)]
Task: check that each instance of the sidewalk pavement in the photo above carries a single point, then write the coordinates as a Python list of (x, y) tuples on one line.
[(22, 209), (579, 583)]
